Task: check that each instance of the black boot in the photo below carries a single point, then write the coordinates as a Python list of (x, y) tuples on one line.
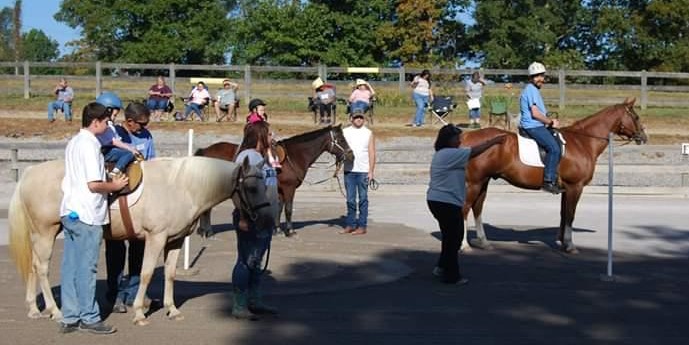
[(257, 306), (551, 187), (240, 308)]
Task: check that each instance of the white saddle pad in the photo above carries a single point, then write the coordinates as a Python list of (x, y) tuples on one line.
[(529, 153), (134, 197)]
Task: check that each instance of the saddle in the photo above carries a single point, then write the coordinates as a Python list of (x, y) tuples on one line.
[(129, 195), (280, 152), (530, 153), (134, 173)]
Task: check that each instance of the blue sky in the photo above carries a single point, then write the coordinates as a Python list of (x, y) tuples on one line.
[(38, 14)]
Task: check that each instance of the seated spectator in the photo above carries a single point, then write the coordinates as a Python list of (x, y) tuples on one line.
[(63, 101), (324, 99), (360, 99), (158, 98), (198, 98), (225, 99)]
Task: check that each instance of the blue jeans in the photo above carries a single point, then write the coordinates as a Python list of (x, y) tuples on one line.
[(193, 107), (121, 157), (545, 139), (356, 183), (251, 247), (360, 106), (475, 113), (421, 102), (120, 288), (66, 108), (153, 104), (78, 275)]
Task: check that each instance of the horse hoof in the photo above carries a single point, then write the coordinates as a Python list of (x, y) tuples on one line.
[(290, 233), (142, 322), (466, 249), (175, 315), (482, 244), (35, 315)]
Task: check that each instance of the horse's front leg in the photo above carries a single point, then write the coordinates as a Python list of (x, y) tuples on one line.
[(154, 245), (278, 216), (289, 202), (568, 207), (43, 250), (476, 196), (171, 255)]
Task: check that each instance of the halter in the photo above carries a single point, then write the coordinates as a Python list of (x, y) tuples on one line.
[(243, 199), (334, 144), (638, 129)]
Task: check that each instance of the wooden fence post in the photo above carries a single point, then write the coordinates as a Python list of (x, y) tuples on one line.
[(27, 80), (561, 86), (247, 83), (171, 78), (14, 166), (644, 89), (99, 78), (402, 79)]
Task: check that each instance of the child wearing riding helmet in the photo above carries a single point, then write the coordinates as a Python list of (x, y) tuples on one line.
[(257, 113), (114, 149)]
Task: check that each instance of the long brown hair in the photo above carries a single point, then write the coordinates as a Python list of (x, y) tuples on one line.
[(256, 134)]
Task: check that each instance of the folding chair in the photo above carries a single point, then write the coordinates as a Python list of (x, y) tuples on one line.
[(441, 107)]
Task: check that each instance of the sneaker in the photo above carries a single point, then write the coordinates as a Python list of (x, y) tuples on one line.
[(65, 328), (438, 272), (97, 328), (115, 173), (119, 307), (551, 187)]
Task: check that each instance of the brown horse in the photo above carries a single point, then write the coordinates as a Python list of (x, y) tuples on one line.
[(586, 140), (300, 152)]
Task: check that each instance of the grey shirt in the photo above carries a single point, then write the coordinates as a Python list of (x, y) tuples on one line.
[(447, 176)]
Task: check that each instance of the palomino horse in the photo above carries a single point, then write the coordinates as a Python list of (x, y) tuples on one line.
[(175, 193), (586, 140), (301, 151)]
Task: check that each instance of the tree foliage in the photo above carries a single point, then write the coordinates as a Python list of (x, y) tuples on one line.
[(37, 46), (155, 31)]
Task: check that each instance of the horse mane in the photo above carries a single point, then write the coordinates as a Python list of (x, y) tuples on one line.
[(208, 178), (306, 137), (582, 122)]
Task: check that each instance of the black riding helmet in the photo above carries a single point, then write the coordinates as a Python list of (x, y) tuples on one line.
[(255, 103)]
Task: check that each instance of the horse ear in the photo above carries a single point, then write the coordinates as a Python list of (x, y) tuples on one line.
[(245, 164), (630, 101)]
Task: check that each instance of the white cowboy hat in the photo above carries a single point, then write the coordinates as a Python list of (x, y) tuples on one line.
[(317, 83)]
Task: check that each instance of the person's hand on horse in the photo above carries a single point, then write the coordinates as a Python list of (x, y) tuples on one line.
[(120, 181), (243, 225), (554, 123)]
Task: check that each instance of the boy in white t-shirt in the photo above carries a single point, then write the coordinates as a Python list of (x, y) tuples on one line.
[(83, 213)]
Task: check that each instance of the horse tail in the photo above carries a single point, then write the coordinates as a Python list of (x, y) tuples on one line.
[(20, 233)]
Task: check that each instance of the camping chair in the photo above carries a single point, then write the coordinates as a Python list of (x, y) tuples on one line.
[(441, 107), (369, 112), (314, 107), (498, 112)]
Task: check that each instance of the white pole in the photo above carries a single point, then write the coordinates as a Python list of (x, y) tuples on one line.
[(609, 276), (186, 239)]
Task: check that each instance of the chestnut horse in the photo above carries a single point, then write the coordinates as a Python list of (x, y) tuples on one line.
[(586, 140), (175, 193), (300, 152)]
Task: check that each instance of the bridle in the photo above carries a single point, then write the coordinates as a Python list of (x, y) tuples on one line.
[(244, 200), (637, 135), (335, 144)]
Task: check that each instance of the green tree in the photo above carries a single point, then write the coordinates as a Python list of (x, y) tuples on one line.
[(155, 31), (37, 46), (305, 34), (512, 34), (6, 53)]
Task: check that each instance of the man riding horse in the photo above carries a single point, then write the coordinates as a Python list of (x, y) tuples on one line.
[(537, 125)]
